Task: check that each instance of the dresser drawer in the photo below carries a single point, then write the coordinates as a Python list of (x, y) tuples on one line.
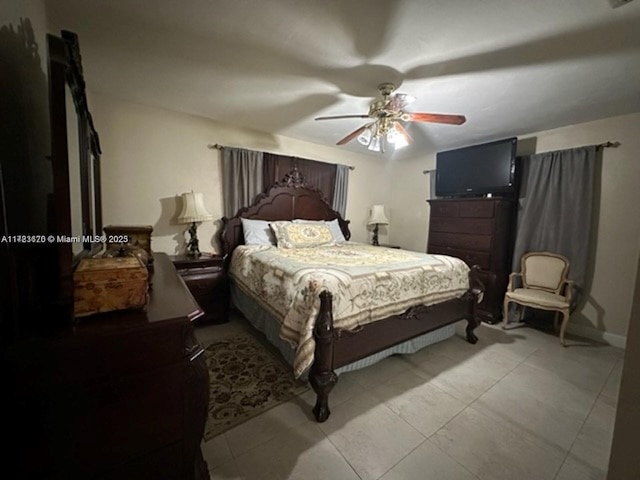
[(461, 240), (199, 271), (103, 424), (483, 260), (203, 284), (449, 209), (476, 209), (113, 354), (478, 226), (166, 463)]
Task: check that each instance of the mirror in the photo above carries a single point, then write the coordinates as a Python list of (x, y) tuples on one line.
[(75, 177)]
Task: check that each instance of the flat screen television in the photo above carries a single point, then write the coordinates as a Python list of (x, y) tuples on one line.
[(489, 168)]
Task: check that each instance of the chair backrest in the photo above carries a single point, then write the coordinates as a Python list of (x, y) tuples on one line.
[(544, 271)]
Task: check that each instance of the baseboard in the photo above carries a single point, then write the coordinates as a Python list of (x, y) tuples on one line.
[(591, 333)]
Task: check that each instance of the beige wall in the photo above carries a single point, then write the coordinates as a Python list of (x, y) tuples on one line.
[(617, 230), (152, 155), (409, 211)]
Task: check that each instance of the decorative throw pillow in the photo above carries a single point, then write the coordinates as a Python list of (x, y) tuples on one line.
[(333, 225), (257, 232), (302, 235)]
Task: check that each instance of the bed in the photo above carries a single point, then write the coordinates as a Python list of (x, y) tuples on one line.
[(323, 345)]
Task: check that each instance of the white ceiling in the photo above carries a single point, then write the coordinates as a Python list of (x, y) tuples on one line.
[(511, 66)]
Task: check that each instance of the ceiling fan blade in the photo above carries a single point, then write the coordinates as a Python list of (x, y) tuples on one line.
[(333, 117), (402, 131), (434, 118), (352, 135)]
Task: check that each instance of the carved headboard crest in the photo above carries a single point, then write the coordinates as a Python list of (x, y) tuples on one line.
[(294, 179)]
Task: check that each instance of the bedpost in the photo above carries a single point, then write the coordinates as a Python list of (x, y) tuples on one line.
[(322, 377), (476, 293)]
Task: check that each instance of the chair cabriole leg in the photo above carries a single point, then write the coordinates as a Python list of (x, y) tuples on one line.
[(563, 328), (505, 313)]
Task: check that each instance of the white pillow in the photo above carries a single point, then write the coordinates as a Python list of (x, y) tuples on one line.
[(257, 232), (333, 225)]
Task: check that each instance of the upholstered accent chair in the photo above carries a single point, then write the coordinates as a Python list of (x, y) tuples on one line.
[(544, 285)]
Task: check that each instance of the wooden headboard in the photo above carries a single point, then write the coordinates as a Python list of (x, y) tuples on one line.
[(286, 200)]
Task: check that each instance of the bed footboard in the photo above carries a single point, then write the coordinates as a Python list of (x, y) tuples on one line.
[(475, 296), (380, 335)]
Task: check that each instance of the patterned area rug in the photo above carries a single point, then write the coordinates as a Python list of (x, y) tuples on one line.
[(245, 379)]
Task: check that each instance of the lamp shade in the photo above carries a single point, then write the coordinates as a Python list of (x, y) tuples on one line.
[(377, 215), (193, 209)]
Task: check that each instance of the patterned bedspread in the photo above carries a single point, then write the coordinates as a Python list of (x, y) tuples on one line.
[(368, 283)]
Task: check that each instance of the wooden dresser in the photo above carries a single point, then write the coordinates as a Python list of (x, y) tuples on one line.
[(479, 231), (119, 395), (206, 278)]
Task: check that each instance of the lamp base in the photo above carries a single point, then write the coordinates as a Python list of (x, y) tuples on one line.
[(374, 240), (193, 249)]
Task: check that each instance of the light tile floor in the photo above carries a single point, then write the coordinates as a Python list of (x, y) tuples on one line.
[(517, 405)]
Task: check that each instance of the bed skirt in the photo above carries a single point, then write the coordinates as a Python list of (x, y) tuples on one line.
[(270, 327)]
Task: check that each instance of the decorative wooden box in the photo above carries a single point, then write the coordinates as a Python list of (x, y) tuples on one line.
[(135, 235), (105, 284)]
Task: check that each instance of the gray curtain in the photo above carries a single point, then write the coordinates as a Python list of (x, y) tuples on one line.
[(242, 178), (555, 208), (341, 188)]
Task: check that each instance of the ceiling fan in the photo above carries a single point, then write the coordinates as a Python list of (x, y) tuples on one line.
[(387, 113)]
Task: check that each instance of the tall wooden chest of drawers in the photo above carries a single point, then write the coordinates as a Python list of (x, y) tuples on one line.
[(480, 232)]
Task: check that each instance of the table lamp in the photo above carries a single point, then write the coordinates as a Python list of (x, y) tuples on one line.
[(193, 211), (376, 218)]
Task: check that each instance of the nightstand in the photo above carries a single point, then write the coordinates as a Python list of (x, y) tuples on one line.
[(207, 281)]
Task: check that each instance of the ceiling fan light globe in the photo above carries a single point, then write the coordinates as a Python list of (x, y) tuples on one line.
[(401, 100), (365, 137), (376, 144), (392, 135)]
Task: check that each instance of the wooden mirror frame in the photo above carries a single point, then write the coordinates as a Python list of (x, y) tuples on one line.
[(65, 71)]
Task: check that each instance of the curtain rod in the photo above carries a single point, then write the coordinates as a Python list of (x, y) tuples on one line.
[(217, 146), (608, 145)]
